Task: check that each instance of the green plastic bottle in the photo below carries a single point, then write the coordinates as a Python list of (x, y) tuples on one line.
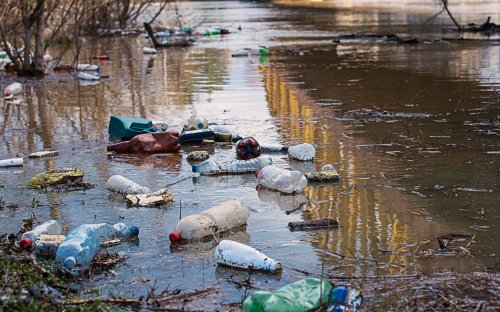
[(304, 295)]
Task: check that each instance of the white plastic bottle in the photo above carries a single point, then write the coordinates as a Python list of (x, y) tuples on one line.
[(282, 180), (76, 252), (147, 50), (210, 167), (196, 122), (46, 246), (304, 151), (29, 238), (88, 67), (239, 255), (13, 162), (228, 215), (12, 89), (120, 184), (87, 76)]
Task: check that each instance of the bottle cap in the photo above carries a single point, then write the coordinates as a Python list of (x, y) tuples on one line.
[(69, 263), (174, 236), (25, 243), (134, 230), (193, 167), (257, 173)]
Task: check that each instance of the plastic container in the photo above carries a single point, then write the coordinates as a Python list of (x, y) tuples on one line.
[(222, 218), (87, 76), (12, 89), (147, 50), (273, 148), (75, 254), (29, 238), (88, 67), (242, 256), (223, 129), (345, 299), (282, 180), (210, 167), (304, 152), (195, 136), (304, 295), (120, 184), (46, 246), (196, 122), (125, 128), (13, 162)]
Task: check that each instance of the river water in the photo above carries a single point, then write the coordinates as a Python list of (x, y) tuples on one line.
[(413, 130)]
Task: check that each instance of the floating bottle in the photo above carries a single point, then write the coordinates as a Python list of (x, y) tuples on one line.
[(195, 136), (29, 238), (242, 256), (76, 252), (223, 129), (87, 76), (46, 246), (147, 50), (196, 122), (282, 180), (210, 167), (222, 218), (344, 299), (120, 184), (88, 67), (13, 162), (304, 151), (12, 89)]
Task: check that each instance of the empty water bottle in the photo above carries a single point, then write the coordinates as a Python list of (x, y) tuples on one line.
[(13, 162), (196, 122), (210, 167), (87, 76), (120, 231), (12, 89), (344, 299), (224, 217), (77, 251), (239, 255), (120, 184), (304, 151), (280, 179), (46, 246), (50, 227)]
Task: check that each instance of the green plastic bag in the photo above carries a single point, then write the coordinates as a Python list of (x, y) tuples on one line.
[(303, 295)]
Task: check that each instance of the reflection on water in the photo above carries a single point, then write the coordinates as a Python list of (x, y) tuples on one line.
[(412, 130)]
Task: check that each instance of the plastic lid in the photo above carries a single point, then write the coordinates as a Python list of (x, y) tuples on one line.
[(134, 230), (70, 263), (200, 125), (174, 236), (25, 243), (257, 173)]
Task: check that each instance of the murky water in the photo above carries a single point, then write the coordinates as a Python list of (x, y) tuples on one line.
[(413, 129)]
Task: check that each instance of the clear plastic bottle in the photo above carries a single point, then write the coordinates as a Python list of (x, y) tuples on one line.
[(210, 167), (239, 255), (120, 184), (88, 67), (304, 151), (29, 238), (282, 180), (77, 251), (13, 162), (196, 122), (47, 245), (12, 89), (226, 216)]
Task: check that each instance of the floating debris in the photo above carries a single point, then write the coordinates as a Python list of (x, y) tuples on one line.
[(158, 198), (43, 154)]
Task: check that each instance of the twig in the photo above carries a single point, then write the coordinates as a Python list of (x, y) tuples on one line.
[(186, 294), (102, 299)]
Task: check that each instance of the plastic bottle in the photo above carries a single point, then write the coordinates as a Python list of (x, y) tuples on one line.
[(304, 151), (13, 162), (344, 299), (86, 76), (226, 216), (280, 179), (210, 167), (76, 252), (88, 67), (147, 50), (46, 246), (195, 136), (223, 129), (304, 295), (120, 184), (239, 255), (196, 122), (29, 238), (12, 89)]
